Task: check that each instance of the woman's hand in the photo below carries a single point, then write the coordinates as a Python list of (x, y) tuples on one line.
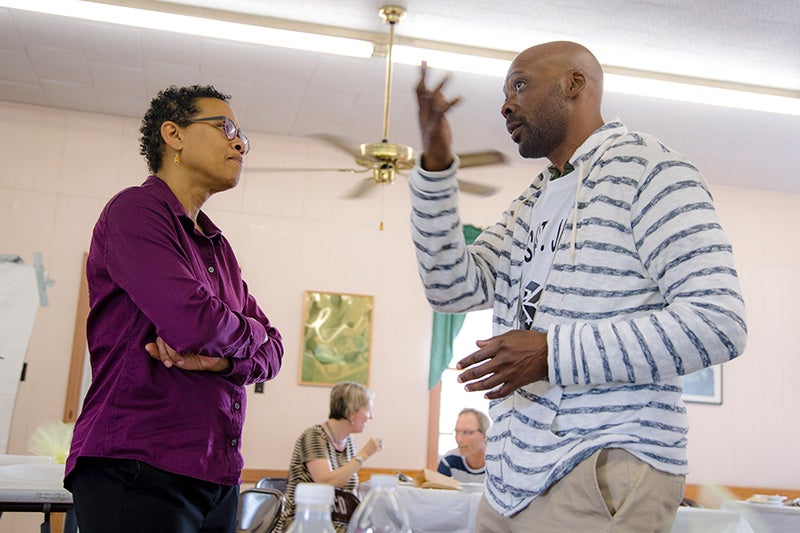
[(320, 469), (373, 446)]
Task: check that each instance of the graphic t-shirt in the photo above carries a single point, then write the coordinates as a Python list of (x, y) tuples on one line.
[(548, 218)]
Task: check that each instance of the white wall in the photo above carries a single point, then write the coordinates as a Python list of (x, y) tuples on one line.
[(292, 233), (750, 439)]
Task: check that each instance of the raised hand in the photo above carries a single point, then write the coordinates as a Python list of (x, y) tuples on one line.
[(373, 446), (433, 124)]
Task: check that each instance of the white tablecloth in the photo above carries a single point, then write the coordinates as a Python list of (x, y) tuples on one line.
[(696, 520), (440, 511), (31, 478), (767, 518)]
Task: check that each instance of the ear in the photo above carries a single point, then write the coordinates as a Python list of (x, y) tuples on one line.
[(576, 81), (172, 135)]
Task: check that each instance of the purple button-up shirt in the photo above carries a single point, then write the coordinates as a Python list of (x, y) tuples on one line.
[(152, 274)]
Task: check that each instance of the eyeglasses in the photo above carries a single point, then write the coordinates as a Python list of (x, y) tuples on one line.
[(228, 128), (466, 432)]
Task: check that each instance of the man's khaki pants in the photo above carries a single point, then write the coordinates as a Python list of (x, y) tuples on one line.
[(611, 491)]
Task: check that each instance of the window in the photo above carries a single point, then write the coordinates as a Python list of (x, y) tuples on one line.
[(477, 325)]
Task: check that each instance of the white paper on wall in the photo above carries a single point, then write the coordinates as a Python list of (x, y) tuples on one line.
[(19, 299)]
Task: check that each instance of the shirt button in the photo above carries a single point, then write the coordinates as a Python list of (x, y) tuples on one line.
[(211, 270), (233, 442), (237, 406)]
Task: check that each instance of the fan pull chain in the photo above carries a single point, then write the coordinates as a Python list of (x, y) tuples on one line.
[(383, 190)]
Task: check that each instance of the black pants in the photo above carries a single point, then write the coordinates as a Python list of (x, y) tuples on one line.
[(128, 496)]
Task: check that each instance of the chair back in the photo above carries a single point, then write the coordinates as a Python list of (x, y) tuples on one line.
[(272, 483), (344, 505), (259, 510)]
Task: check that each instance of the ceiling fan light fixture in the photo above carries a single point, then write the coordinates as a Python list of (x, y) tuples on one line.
[(384, 173), (383, 152), (392, 14)]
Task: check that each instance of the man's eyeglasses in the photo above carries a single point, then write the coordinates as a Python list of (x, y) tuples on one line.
[(228, 128), (466, 432)]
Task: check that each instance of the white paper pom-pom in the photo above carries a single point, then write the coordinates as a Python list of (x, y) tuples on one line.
[(52, 439)]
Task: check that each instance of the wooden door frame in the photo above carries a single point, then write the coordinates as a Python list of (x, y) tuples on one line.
[(75, 376)]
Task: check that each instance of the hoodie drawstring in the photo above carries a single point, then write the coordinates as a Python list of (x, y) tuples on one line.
[(575, 212)]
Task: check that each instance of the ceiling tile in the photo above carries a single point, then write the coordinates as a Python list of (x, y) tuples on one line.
[(9, 38), (286, 64), (239, 90), (265, 108), (71, 95), (118, 104), (22, 93), (159, 76), (165, 47), (17, 67), (327, 106), (229, 59), (118, 44), (48, 31), (60, 64), (118, 79)]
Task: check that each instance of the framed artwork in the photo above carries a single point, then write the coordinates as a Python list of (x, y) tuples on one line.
[(704, 386), (336, 339)]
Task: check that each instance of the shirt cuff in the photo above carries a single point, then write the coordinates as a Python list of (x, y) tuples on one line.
[(437, 173), (259, 331), (433, 181)]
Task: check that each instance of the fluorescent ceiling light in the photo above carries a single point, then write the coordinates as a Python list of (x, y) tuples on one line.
[(702, 94), (232, 31), (411, 55), (486, 66), (617, 83)]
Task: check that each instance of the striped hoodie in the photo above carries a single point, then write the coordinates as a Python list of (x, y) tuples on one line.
[(642, 291)]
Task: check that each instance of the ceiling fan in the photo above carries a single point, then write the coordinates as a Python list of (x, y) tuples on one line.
[(385, 159)]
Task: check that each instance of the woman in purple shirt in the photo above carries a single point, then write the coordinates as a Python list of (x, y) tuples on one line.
[(174, 336)]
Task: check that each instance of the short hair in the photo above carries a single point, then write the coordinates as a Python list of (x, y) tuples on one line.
[(483, 420), (347, 397), (176, 104)]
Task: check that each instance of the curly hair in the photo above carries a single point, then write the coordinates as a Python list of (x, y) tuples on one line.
[(347, 397), (176, 104)]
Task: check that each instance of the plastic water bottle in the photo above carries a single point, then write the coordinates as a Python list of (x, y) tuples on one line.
[(313, 513), (380, 511)]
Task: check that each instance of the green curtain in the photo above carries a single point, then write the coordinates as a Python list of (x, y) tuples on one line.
[(445, 329)]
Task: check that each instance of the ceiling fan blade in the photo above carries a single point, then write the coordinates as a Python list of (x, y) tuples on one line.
[(363, 187), (479, 189), (337, 142), (478, 159)]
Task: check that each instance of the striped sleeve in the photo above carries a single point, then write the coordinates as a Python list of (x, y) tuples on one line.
[(456, 278), (654, 274)]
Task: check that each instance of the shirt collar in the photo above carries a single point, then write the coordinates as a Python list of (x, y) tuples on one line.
[(555, 173), (209, 228)]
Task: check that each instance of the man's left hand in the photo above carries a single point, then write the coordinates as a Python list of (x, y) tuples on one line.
[(509, 361)]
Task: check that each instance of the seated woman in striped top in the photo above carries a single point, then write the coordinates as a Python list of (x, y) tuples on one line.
[(326, 452)]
